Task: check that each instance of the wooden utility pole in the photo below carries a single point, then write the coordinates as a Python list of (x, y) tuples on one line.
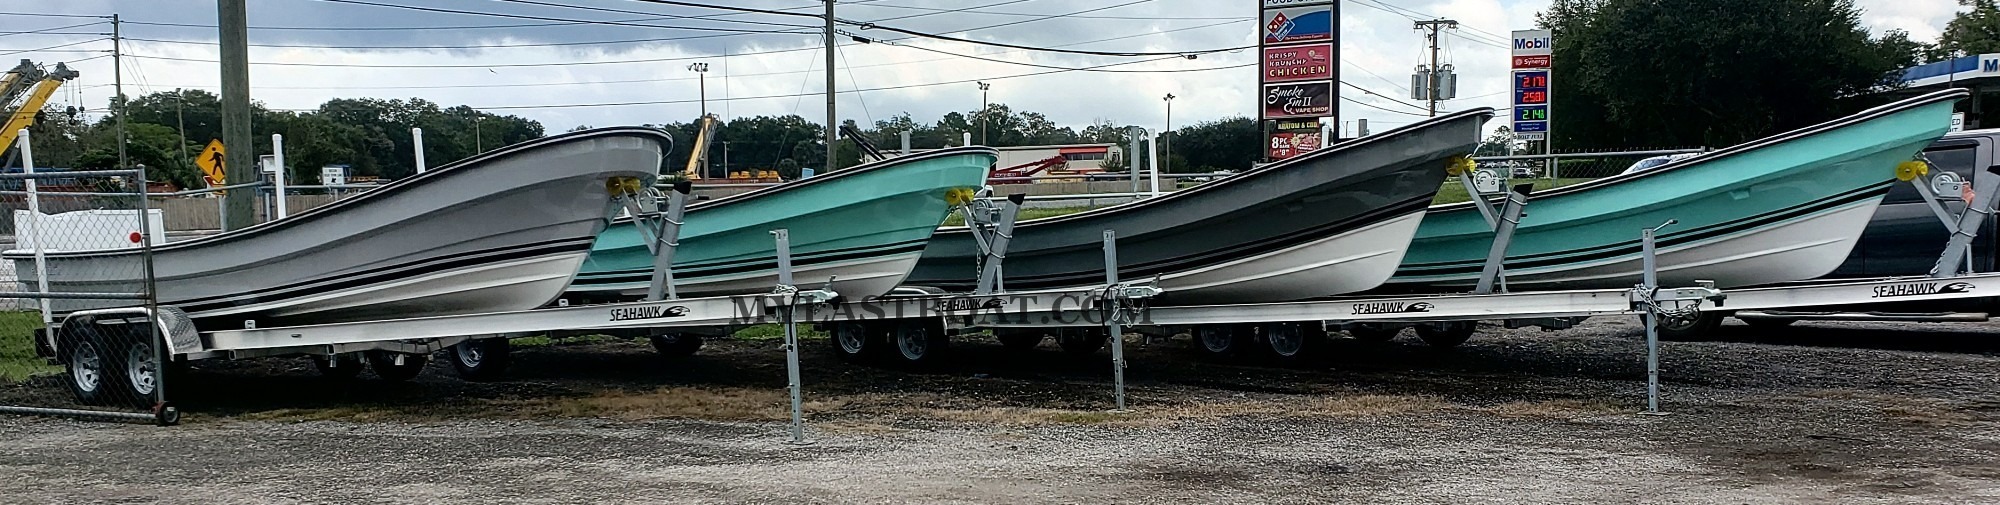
[(1432, 85), (118, 90), (832, 125), (239, 155)]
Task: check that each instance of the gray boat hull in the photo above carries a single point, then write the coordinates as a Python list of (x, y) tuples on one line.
[(505, 230), (1334, 221)]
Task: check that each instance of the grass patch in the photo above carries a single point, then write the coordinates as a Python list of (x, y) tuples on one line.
[(1554, 409), (545, 341), (18, 361), (774, 332), (957, 219), (1453, 192)]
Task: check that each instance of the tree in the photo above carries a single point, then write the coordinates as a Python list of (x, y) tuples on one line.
[(1976, 31), (1225, 144), (1502, 142), (1710, 72)]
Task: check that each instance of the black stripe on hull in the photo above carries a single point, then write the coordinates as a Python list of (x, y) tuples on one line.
[(606, 281), (1632, 247)]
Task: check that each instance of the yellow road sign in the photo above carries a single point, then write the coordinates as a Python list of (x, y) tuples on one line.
[(210, 161)]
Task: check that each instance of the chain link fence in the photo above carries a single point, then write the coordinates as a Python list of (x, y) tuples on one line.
[(1576, 166), (76, 336)]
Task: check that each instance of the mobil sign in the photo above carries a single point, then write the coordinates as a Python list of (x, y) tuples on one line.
[(1533, 43)]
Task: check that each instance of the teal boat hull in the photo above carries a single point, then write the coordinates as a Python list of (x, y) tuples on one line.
[(1785, 208), (863, 228)]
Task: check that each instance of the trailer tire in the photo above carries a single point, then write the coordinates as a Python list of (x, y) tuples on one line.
[(1082, 342), (1447, 334), (91, 370), (1373, 333), (1294, 341), (342, 367), (144, 371), (1697, 326), (1020, 340), (676, 344), (919, 342), (856, 342), (481, 360), (384, 364), (1218, 341)]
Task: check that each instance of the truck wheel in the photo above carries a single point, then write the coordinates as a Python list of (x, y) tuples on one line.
[(920, 342), (385, 365), (1082, 342), (1291, 342), (1447, 334), (856, 342), (675, 344), (342, 367), (480, 360)]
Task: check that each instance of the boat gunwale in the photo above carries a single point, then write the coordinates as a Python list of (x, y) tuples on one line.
[(836, 175), (391, 188), (1226, 181), (1870, 114)]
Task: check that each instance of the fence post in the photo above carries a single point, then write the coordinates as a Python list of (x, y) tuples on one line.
[(417, 138)]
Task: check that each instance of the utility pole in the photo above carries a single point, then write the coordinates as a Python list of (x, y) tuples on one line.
[(725, 158), (701, 71), (1166, 145), (118, 89), (983, 86), (478, 139), (1432, 83), (239, 155), (831, 124)]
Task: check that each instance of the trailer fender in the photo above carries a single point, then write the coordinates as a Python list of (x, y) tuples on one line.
[(175, 327)]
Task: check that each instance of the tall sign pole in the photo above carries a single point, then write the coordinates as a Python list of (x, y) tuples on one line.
[(831, 124), (1532, 61), (239, 159), (1298, 41)]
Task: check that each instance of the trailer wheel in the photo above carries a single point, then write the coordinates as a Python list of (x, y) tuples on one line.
[(1082, 342), (856, 342), (143, 370), (482, 359), (1692, 326), (1218, 340), (91, 370), (1295, 340), (1373, 332), (1446, 334), (675, 344), (385, 365), (920, 342), (1020, 340), (342, 367)]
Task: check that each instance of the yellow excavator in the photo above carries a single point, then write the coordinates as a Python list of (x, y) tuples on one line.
[(31, 81)]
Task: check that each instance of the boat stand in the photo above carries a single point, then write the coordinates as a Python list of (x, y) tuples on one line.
[(992, 228), (660, 230), (1965, 226)]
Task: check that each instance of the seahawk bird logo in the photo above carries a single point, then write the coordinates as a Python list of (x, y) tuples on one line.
[(1957, 287), (1419, 307)]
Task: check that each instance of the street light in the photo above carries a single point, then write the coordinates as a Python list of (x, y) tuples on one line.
[(701, 70), (983, 86), (1167, 145)]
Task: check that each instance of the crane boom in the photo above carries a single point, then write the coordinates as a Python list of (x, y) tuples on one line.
[(44, 88), (703, 128), (17, 81)]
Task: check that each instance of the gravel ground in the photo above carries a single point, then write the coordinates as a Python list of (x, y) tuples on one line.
[(1843, 413)]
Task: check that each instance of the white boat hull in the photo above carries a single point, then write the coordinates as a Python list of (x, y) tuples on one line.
[(1355, 261), (1804, 248)]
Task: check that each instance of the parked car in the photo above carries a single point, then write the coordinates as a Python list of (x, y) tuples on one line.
[(1656, 162), (1904, 239)]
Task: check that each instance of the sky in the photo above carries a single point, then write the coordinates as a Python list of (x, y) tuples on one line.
[(770, 65)]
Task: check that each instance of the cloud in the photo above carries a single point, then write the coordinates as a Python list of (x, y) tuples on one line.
[(1377, 39)]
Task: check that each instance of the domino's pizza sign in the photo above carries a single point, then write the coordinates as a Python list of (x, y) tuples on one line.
[(1313, 23)]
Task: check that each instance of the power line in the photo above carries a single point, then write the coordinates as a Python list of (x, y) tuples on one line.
[(58, 46), (1021, 63), (934, 12), (1382, 96), (545, 18), (623, 11), (1373, 106), (52, 15), (972, 10), (465, 46), (1044, 49), (48, 30)]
